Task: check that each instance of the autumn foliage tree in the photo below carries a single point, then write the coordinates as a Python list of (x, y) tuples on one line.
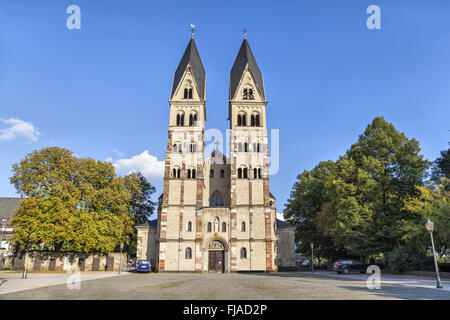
[(72, 204)]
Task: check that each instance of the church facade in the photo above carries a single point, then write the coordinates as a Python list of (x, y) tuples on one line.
[(216, 214)]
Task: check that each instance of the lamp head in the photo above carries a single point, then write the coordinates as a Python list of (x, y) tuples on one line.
[(429, 225)]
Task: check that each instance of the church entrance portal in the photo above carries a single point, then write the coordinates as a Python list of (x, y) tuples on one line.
[(216, 257)]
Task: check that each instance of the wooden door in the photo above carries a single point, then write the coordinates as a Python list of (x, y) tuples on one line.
[(219, 261), (215, 261), (212, 261)]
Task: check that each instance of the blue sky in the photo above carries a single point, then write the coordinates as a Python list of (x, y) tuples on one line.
[(102, 91)]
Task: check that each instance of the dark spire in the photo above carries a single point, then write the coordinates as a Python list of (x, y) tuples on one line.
[(191, 57), (245, 57)]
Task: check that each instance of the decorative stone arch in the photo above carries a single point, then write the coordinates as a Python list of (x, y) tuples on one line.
[(224, 242), (217, 249)]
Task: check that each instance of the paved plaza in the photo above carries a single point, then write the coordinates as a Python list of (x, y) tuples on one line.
[(240, 286)]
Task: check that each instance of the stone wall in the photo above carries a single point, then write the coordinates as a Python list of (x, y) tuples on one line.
[(286, 249), (62, 261)]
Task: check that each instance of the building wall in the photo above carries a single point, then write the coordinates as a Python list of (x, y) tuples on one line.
[(286, 248)]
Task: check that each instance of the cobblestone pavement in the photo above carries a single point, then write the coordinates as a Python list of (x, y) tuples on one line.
[(189, 286)]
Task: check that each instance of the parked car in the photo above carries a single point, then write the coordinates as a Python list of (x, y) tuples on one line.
[(347, 266), (143, 266)]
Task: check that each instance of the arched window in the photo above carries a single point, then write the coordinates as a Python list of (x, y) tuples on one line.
[(224, 227), (259, 173), (209, 226), (243, 226), (255, 173), (189, 173), (240, 147), (239, 120), (256, 147), (185, 93), (188, 253), (222, 173), (216, 199), (244, 120), (190, 93), (254, 121), (240, 173), (245, 147), (176, 173), (193, 173), (189, 226), (180, 119), (211, 173), (192, 147), (245, 173), (177, 147), (243, 253), (192, 119), (250, 94)]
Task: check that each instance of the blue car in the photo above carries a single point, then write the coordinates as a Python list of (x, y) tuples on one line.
[(143, 266)]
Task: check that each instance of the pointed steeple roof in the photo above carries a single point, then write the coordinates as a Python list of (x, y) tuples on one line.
[(191, 57), (245, 57)]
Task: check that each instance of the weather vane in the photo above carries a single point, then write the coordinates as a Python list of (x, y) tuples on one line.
[(192, 30)]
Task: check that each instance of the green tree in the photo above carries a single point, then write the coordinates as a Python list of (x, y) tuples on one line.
[(357, 204), (304, 209), (69, 203), (393, 164), (433, 202), (141, 205), (441, 168)]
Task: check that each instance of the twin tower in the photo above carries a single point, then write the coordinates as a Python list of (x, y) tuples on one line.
[(216, 214)]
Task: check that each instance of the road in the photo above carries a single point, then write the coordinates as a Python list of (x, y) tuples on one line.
[(240, 286)]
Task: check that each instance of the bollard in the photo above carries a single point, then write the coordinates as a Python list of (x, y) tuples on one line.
[(24, 274)]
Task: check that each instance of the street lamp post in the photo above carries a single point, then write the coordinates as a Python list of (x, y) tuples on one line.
[(312, 257), (430, 226), (3, 228)]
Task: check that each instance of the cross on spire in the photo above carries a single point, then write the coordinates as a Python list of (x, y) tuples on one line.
[(217, 143), (245, 33), (192, 30)]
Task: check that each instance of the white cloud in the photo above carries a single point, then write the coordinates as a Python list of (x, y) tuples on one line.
[(145, 163), (18, 129), (280, 216)]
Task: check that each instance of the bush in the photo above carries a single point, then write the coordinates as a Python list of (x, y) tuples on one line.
[(404, 259)]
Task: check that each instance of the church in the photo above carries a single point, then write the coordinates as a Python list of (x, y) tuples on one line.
[(216, 214)]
